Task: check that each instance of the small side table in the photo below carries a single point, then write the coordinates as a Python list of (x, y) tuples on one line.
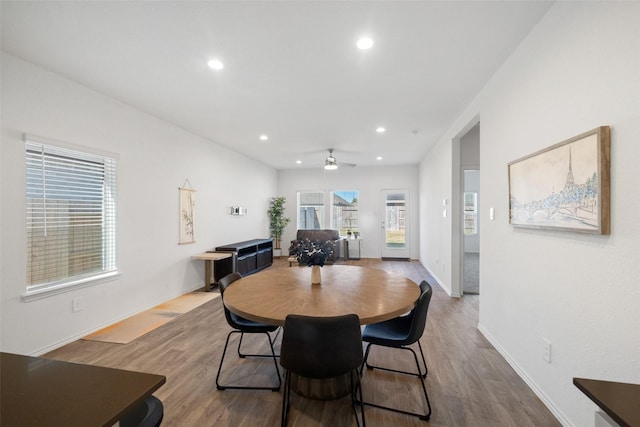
[(209, 258), (347, 244)]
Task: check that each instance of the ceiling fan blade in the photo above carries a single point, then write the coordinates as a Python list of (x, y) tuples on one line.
[(349, 165)]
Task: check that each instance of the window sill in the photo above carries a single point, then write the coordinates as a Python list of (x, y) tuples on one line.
[(68, 286)]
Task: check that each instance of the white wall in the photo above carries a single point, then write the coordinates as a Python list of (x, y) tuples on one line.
[(577, 70), (436, 240), (470, 149), (368, 181), (155, 159)]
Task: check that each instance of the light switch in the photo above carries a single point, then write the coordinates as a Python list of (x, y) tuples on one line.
[(492, 215)]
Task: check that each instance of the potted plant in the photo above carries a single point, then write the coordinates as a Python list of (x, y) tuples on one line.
[(277, 220)]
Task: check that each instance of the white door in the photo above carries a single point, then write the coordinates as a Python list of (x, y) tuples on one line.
[(395, 224)]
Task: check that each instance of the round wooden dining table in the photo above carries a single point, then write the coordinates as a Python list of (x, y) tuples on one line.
[(374, 295), (269, 296)]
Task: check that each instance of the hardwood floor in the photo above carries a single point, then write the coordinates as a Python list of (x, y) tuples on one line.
[(469, 383)]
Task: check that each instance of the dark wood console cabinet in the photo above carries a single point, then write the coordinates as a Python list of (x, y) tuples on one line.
[(248, 257)]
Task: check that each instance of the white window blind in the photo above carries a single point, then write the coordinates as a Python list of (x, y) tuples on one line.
[(310, 210), (71, 216)]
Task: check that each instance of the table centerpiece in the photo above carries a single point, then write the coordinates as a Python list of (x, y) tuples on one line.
[(313, 253)]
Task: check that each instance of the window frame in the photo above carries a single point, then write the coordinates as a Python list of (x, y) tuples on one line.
[(322, 210), (333, 206), (51, 149)]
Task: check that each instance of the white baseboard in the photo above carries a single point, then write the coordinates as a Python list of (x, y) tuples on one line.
[(445, 288), (522, 373)]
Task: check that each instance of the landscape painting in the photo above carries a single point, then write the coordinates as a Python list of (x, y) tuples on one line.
[(565, 186)]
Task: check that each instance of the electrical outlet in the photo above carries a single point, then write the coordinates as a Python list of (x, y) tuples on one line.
[(77, 304), (546, 350)]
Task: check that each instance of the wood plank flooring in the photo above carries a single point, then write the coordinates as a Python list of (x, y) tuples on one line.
[(469, 383)]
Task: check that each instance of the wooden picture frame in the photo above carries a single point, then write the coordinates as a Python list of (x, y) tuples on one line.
[(565, 186)]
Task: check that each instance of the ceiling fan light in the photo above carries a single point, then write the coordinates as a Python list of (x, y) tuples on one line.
[(364, 43), (215, 64), (330, 164)]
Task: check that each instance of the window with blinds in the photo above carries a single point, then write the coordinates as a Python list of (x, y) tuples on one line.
[(310, 210), (71, 217)]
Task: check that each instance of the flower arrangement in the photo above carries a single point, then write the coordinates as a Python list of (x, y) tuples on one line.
[(312, 252)]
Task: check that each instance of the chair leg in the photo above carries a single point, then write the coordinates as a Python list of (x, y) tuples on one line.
[(420, 375), (424, 362), (242, 355), (355, 399), (286, 403), (224, 352), (355, 388), (272, 355), (423, 375)]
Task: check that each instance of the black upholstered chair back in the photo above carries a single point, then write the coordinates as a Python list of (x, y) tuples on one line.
[(321, 347), (223, 284), (419, 314), (424, 286)]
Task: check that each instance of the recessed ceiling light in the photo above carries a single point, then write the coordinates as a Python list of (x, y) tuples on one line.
[(215, 64), (381, 129), (299, 162), (263, 137), (364, 43), (379, 158)]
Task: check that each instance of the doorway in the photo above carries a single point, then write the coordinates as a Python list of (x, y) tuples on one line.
[(469, 250), (394, 224), (471, 232)]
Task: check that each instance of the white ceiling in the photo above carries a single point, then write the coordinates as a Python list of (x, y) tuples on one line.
[(292, 70)]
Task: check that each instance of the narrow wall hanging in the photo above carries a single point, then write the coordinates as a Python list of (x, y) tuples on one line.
[(187, 201)]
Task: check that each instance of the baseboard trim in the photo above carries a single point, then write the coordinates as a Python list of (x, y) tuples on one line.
[(525, 377)]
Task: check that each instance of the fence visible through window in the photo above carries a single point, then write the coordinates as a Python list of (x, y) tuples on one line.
[(345, 212), (395, 235)]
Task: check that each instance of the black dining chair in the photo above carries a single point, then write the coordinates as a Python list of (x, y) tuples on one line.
[(322, 348), (400, 333), (243, 326), (147, 414)]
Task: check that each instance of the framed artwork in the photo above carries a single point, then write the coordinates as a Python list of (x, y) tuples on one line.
[(187, 201), (565, 186)]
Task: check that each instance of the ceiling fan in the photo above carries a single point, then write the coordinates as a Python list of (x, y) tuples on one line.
[(330, 163)]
